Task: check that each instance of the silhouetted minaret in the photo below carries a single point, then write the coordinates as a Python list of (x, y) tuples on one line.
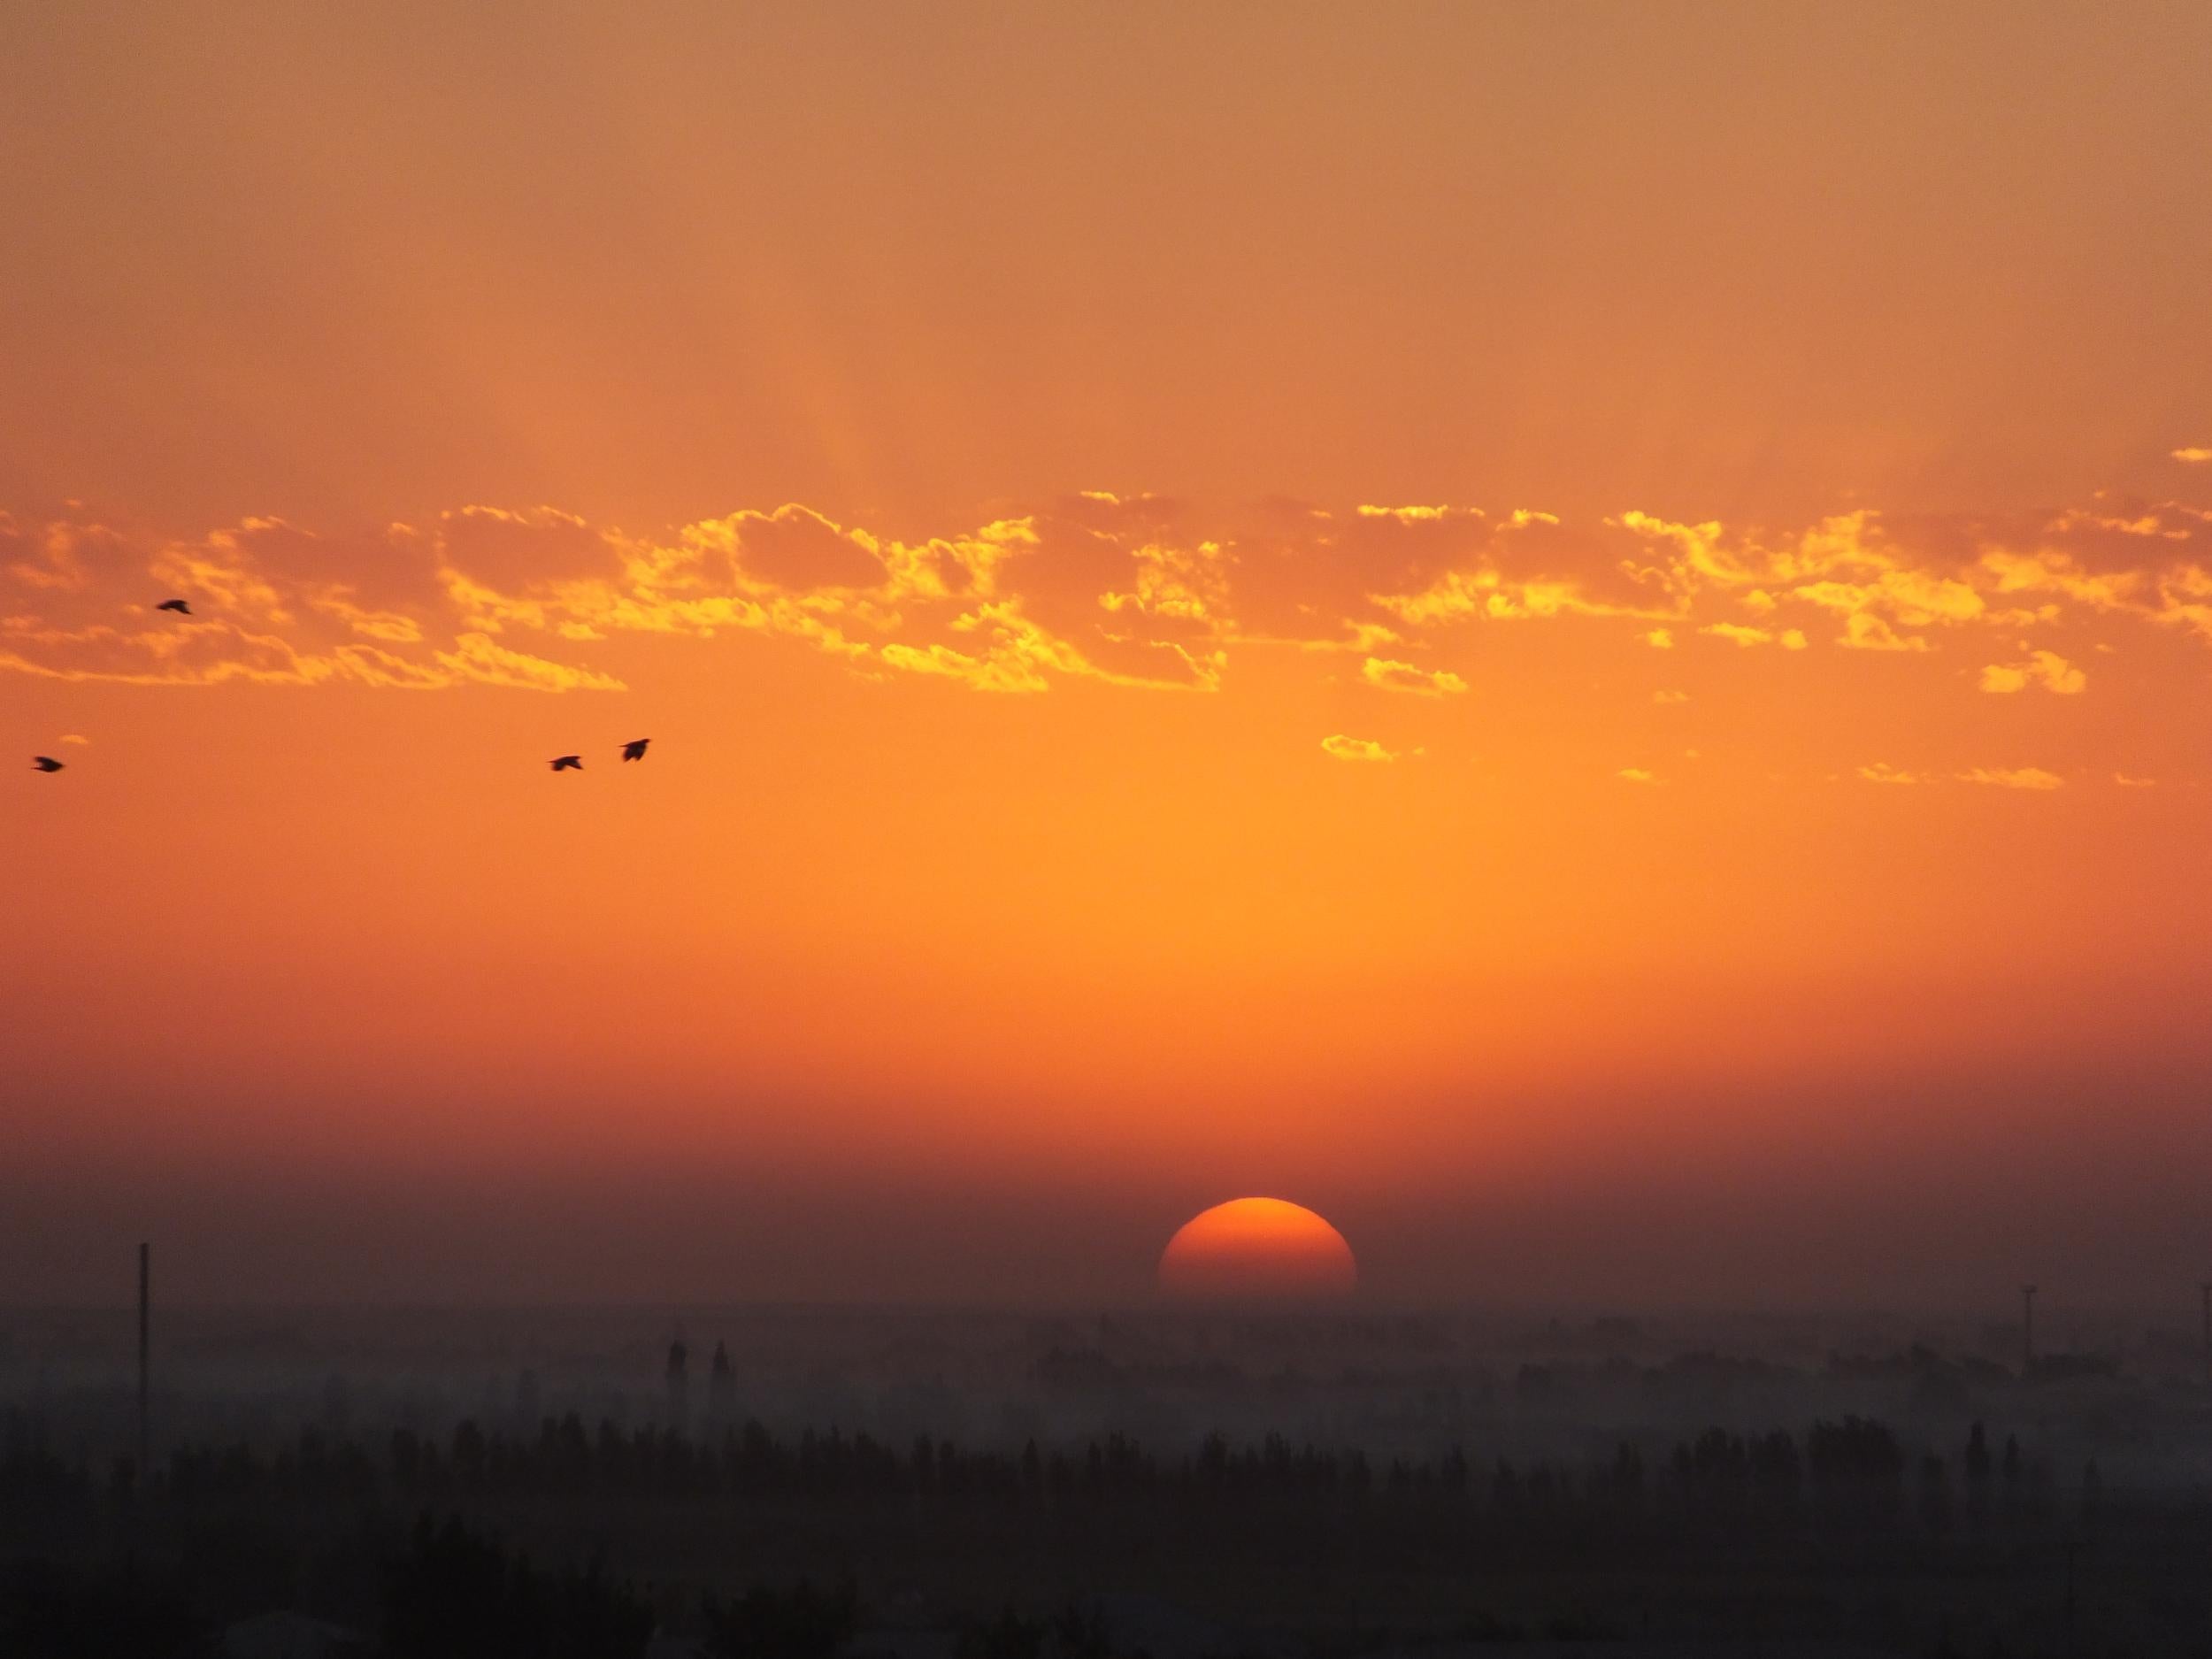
[(2027, 1329), (145, 1364)]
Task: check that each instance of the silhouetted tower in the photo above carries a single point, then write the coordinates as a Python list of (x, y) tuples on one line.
[(145, 1362), (721, 1389), (679, 1388), (2027, 1329)]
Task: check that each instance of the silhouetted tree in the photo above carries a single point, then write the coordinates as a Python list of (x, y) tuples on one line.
[(802, 1622), (1934, 1502), (455, 1595), (1857, 1471), (1008, 1636), (49, 1610), (1977, 1477)]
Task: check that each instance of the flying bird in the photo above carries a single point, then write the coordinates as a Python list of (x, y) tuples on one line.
[(45, 763), (569, 762), (177, 605), (635, 748)]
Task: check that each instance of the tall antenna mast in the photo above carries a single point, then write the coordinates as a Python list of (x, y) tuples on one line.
[(145, 1370)]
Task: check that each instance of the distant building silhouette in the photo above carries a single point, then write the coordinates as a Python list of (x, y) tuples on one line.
[(721, 1390), (679, 1387)]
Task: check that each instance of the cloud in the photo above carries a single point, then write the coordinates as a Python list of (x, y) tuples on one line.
[(1882, 772), (509, 551), (493, 597), (1004, 650), (1114, 589), (1669, 697), (2013, 777), (1186, 584), (2121, 778), (2184, 599), (2051, 572), (1362, 748), (2194, 455), (1386, 675), (73, 737), (1001, 671), (1636, 774), (2046, 668), (1916, 598), (1741, 634), (479, 658), (796, 550), (1465, 594), (1417, 515), (210, 654), (67, 556), (1868, 630)]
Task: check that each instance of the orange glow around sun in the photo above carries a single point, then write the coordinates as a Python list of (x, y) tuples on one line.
[(1257, 1250)]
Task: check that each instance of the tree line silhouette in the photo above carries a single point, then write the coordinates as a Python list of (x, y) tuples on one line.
[(400, 1531), (1849, 1472)]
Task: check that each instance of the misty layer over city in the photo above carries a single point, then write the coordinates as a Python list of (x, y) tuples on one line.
[(1173, 1481)]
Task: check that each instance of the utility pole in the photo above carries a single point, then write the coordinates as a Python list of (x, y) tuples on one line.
[(2027, 1329), (145, 1369)]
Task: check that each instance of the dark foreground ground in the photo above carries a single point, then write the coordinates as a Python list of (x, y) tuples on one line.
[(593, 1541)]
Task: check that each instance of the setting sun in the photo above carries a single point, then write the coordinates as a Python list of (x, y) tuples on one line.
[(1257, 1250)]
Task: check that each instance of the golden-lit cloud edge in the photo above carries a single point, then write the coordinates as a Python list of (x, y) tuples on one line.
[(1356, 748), (2030, 778), (1128, 592)]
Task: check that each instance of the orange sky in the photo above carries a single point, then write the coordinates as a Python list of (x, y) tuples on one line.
[(1575, 634)]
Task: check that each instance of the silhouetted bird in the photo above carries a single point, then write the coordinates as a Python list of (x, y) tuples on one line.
[(569, 762), (177, 605), (635, 748), (45, 763)]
